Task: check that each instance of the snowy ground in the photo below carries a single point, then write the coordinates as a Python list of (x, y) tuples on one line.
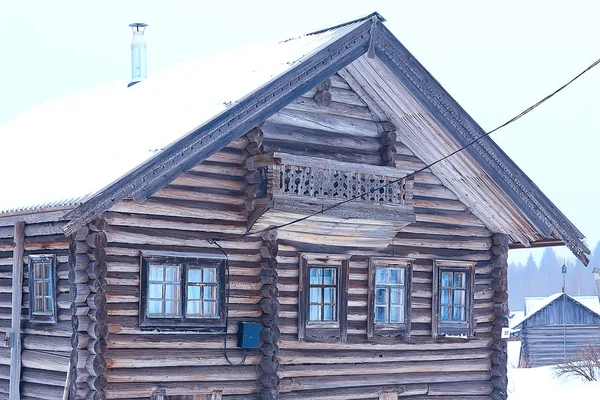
[(540, 383)]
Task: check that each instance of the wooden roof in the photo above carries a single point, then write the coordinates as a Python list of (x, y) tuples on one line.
[(401, 90)]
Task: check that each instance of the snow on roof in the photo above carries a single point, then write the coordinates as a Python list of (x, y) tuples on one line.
[(74, 146), (535, 304), (516, 318)]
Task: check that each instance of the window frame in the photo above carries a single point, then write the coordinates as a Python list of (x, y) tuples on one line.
[(323, 330), (183, 322), (441, 327), (42, 319), (389, 329)]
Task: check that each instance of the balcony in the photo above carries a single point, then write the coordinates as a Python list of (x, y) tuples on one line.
[(378, 200)]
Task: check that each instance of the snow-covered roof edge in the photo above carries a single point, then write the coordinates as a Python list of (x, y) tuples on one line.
[(552, 298)]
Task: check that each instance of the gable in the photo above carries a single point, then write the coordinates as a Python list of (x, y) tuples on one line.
[(574, 313)]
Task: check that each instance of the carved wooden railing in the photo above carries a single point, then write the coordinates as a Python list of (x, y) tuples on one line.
[(329, 183)]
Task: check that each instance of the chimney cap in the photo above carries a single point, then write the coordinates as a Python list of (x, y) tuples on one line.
[(138, 26)]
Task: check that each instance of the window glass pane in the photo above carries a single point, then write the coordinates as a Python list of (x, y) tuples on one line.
[(194, 275), (329, 276), (445, 298), (394, 275), (47, 289), (459, 279), (155, 291), (38, 271), (459, 314), (48, 271), (171, 274), (396, 315), (210, 309), (210, 275), (193, 307), (445, 313), (38, 288), (48, 305), (329, 295), (327, 313), (315, 313), (155, 307), (193, 292), (169, 292), (395, 296), (380, 314), (401, 272), (169, 307), (210, 292), (155, 273), (380, 275), (446, 279), (315, 295), (380, 296), (316, 277), (459, 297)]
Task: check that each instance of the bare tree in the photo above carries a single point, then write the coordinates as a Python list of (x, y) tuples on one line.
[(586, 365)]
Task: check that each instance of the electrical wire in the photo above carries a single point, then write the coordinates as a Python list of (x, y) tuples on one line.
[(472, 142), (227, 289)]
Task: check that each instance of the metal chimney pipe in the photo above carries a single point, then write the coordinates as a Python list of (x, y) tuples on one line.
[(138, 53)]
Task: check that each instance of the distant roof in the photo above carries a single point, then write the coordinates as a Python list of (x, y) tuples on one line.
[(88, 140), (535, 304)]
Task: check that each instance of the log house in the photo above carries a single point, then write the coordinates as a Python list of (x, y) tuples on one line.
[(138, 290)]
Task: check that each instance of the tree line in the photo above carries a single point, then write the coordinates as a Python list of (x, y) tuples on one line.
[(533, 280)]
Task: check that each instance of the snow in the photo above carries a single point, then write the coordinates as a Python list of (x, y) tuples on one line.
[(540, 383), (76, 145), (534, 304)]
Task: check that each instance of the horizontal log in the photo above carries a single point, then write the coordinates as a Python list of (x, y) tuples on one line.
[(51, 361)]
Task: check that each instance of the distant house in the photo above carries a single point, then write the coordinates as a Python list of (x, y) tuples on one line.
[(271, 190), (556, 328)]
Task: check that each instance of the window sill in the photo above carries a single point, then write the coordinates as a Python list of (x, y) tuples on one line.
[(193, 325), (389, 330)]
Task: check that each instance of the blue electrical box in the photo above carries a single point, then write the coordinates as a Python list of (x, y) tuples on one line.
[(249, 335)]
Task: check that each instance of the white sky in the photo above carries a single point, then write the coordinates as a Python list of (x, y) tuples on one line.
[(495, 59)]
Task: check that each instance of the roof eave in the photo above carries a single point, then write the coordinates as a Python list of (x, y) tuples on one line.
[(526, 196)]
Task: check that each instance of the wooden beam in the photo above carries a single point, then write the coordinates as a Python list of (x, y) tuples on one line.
[(17, 297)]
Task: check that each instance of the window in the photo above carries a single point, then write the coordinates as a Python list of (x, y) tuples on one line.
[(389, 297), (452, 312), (183, 291), (42, 288), (323, 294)]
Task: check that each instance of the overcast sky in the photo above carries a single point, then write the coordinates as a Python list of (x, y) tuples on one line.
[(494, 59)]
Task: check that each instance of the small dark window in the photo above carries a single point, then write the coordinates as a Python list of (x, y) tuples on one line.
[(42, 288), (183, 292), (323, 297), (323, 294), (389, 297), (452, 312)]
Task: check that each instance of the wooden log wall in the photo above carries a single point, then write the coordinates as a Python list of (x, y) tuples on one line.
[(546, 345), (209, 201), (45, 347)]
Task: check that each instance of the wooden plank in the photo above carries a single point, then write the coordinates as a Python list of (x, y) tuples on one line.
[(17, 295)]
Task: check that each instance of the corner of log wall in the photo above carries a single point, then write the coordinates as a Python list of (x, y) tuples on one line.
[(87, 273), (270, 333), (500, 285)]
